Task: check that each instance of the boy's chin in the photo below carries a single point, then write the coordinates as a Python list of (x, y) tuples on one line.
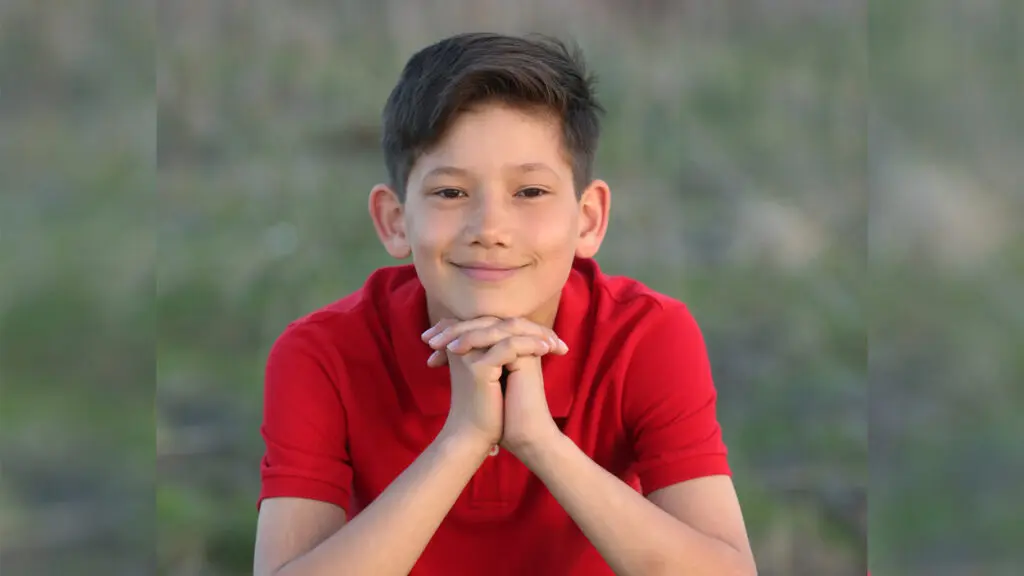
[(469, 311)]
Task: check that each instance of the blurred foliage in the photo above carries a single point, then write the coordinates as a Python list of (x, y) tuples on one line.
[(77, 149), (761, 156)]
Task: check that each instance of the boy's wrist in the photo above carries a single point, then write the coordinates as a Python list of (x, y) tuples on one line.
[(464, 440), (541, 450)]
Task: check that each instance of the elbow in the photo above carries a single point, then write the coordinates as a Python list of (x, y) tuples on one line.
[(741, 565), (735, 564), (286, 569), (747, 568)]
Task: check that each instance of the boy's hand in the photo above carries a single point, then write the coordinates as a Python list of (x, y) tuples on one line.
[(476, 405), (483, 332), (527, 419)]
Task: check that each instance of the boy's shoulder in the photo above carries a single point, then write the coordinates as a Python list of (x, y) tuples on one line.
[(619, 294), (362, 314), (621, 304)]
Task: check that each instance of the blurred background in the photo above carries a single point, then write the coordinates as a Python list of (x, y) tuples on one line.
[(833, 188)]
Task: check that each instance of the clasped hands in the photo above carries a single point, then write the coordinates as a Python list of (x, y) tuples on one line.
[(476, 351)]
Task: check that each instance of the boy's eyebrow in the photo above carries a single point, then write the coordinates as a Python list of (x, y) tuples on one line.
[(446, 171), (522, 168), (534, 167)]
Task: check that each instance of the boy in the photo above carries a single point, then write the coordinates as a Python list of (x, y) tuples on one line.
[(499, 406)]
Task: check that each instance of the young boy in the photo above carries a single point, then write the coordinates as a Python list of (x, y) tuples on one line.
[(499, 406)]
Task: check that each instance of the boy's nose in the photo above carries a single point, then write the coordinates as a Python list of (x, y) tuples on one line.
[(489, 221)]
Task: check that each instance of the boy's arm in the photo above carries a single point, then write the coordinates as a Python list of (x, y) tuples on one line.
[(390, 534), (307, 475), (690, 523), (701, 532), (307, 456)]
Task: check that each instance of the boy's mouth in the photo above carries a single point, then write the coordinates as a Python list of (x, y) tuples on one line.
[(486, 272)]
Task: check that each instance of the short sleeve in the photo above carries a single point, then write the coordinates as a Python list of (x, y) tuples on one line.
[(304, 425), (669, 404)]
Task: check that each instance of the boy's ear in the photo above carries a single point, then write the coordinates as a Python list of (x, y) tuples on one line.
[(595, 203), (388, 215)]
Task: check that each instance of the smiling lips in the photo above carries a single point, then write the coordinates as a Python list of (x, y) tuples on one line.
[(487, 272)]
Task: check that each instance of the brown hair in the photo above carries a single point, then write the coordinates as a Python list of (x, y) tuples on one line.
[(448, 77)]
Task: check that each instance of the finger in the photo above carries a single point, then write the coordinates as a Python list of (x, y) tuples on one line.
[(437, 328), (522, 326), (480, 338), (509, 349), (437, 359), (491, 335), (441, 339)]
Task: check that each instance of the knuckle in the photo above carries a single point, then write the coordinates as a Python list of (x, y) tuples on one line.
[(474, 337), (526, 344), (508, 352)]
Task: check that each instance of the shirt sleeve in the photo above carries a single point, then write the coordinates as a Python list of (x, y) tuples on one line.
[(304, 425), (669, 404)]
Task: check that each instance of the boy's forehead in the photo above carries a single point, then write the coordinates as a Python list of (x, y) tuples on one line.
[(498, 138)]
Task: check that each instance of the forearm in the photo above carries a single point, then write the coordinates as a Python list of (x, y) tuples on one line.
[(630, 532), (390, 534)]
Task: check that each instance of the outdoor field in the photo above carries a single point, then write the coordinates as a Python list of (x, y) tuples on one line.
[(834, 193)]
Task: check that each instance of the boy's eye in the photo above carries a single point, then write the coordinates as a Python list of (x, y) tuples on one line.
[(532, 192), (449, 193)]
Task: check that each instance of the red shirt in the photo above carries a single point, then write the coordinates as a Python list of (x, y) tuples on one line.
[(350, 403)]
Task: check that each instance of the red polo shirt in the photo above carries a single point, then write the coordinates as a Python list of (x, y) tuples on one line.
[(350, 403)]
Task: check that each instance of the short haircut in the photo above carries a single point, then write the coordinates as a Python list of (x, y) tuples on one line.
[(455, 74)]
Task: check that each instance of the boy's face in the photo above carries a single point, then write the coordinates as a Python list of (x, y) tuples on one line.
[(491, 217)]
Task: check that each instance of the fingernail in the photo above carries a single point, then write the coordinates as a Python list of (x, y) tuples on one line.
[(453, 344), (433, 341), (563, 344)]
